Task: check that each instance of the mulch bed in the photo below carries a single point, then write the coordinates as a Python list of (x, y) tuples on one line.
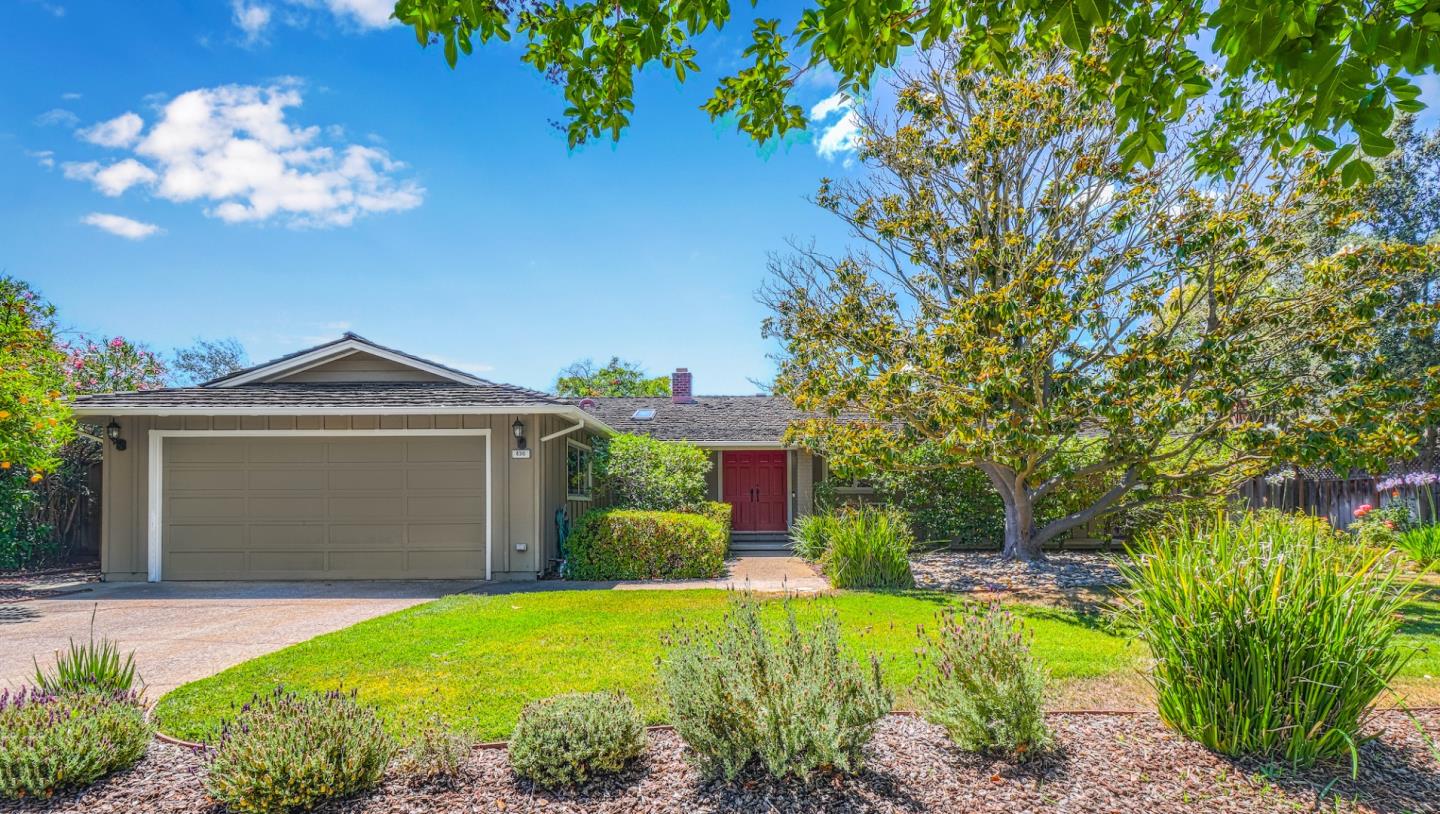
[(1104, 763), (20, 586), (988, 572)]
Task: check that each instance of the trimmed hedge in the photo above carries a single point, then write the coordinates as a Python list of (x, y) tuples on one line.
[(717, 511), (634, 544)]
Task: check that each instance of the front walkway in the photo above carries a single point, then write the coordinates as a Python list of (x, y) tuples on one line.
[(183, 631), (765, 573)]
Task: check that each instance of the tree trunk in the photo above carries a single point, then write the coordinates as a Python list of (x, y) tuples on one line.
[(1020, 540)]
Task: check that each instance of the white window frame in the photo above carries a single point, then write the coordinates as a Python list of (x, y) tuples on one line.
[(589, 470), (156, 475)]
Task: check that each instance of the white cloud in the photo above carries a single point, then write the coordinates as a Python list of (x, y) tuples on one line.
[(45, 158), (839, 138), (232, 149), (120, 176), (59, 117), (120, 131), (121, 226), (71, 96), (252, 18), (368, 13)]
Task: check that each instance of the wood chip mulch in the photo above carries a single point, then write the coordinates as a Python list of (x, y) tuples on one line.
[(22, 586), (1104, 763), (988, 572)]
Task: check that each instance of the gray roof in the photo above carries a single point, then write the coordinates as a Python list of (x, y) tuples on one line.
[(419, 395), (732, 419)]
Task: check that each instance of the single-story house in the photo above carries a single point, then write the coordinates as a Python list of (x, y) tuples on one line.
[(351, 460)]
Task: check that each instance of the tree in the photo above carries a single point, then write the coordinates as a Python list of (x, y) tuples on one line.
[(206, 360), (34, 420), (616, 379), (1033, 306), (1332, 68), (112, 365)]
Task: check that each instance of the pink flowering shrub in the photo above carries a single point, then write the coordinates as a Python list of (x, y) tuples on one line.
[(112, 365)]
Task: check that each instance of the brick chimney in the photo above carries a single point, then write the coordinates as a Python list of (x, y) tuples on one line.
[(680, 391)]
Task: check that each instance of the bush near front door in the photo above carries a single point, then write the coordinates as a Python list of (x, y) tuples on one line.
[(631, 544), (639, 472)]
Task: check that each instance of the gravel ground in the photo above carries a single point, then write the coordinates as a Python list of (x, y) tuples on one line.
[(1103, 764), (988, 572)]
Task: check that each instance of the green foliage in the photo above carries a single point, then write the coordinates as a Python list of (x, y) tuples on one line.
[(569, 739), (435, 752), (1421, 544), (810, 536), (287, 752), (34, 421), (869, 547), (95, 666), (617, 379), (1027, 340), (112, 364), (631, 544), (1272, 634), (717, 511), (209, 359), (795, 702), (1381, 527), (949, 503), (640, 472), (25, 541), (49, 743), (981, 683)]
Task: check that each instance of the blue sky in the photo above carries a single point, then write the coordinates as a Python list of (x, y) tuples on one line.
[(431, 210)]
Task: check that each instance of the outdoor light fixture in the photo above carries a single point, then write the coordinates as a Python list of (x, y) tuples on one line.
[(519, 429), (112, 431)]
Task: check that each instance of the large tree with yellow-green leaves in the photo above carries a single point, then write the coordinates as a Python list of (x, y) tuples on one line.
[(1022, 299), (34, 419)]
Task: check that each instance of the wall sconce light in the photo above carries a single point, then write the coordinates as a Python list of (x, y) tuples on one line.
[(519, 429), (112, 431)]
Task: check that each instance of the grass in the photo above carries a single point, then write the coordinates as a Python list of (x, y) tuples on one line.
[(476, 660)]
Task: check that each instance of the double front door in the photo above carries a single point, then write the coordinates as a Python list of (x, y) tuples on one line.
[(754, 484)]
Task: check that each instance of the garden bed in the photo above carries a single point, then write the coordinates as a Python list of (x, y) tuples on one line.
[(988, 572), (1104, 763)]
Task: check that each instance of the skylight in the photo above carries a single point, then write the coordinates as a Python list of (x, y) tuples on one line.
[(643, 415)]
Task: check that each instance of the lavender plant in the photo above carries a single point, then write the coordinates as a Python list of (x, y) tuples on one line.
[(980, 682), (290, 751), (435, 752), (50, 742), (568, 739)]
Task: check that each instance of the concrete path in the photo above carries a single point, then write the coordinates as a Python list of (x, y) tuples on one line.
[(764, 573), (184, 631)]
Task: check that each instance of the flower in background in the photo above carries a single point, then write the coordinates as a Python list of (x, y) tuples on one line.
[(1363, 509)]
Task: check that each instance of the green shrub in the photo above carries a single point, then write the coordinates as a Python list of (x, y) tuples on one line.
[(435, 752), (1271, 634), (981, 683), (720, 512), (631, 544), (25, 542), (1381, 527), (49, 742), (1421, 544), (569, 739), (288, 752), (95, 665), (869, 548), (810, 535), (794, 702), (639, 472)]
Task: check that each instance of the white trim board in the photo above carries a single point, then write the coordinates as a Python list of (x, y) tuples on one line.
[(155, 497), (337, 350)]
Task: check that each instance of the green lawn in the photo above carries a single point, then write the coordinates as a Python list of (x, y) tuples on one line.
[(478, 659)]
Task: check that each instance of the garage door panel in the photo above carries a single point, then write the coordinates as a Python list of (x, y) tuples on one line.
[(283, 535), (250, 507), (444, 449), (281, 450), (382, 451), (276, 507), (366, 480), (469, 479)]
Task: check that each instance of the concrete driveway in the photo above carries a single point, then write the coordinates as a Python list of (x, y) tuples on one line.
[(188, 630)]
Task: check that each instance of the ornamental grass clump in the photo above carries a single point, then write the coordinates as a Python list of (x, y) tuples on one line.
[(810, 536), (1271, 635), (869, 548), (291, 751), (980, 682), (792, 701), (95, 666), (1421, 544), (569, 739), (435, 753), (52, 742)]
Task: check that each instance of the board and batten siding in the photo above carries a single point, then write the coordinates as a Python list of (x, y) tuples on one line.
[(553, 456), (360, 367), (515, 483)]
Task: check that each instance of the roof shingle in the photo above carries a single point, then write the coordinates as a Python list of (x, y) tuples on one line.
[(721, 419), (421, 396)]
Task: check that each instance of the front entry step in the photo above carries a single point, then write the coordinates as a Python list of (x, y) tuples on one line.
[(760, 543)]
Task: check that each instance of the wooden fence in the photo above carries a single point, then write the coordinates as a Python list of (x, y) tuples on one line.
[(1332, 497)]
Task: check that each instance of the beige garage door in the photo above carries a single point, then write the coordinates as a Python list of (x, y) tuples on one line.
[(379, 507)]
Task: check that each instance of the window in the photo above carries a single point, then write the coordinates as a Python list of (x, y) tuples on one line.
[(644, 414), (579, 471)]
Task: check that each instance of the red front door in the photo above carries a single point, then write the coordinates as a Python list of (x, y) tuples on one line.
[(755, 485)]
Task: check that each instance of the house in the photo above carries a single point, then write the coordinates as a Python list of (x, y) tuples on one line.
[(351, 460)]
